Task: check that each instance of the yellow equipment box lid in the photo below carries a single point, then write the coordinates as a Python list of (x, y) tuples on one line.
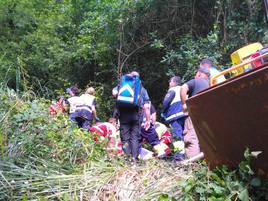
[(239, 55)]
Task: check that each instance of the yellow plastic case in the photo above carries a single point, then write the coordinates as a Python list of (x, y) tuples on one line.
[(243, 54)]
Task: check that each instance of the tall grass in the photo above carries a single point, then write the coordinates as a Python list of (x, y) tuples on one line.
[(48, 158), (102, 180)]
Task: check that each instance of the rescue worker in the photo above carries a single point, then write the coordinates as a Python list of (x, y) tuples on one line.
[(189, 89), (72, 101), (150, 136), (129, 118), (85, 110), (173, 114), (172, 108)]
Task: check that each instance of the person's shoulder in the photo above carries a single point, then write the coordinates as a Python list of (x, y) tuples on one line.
[(171, 92), (143, 89), (190, 82), (202, 82), (144, 94)]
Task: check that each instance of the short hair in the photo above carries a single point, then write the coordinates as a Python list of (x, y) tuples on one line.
[(207, 61), (90, 91), (176, 79), (74, 90)]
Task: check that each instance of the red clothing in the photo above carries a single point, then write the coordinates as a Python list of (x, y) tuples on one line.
[(108, 131), (57, 107), (163, 133)]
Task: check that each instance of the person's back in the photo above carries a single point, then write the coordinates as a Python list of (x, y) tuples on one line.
[(73, 101), (197, 85), (130, 115), (87, 100), (85, 110)]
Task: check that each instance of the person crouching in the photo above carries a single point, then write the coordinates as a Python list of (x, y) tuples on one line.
[(85, 111)]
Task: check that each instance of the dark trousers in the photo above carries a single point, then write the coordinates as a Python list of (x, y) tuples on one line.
[(131, 138), (83, 118), (150, 135), (177, 129)]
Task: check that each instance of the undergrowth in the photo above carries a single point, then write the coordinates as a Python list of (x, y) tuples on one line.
[(223, 184), (49, 158)]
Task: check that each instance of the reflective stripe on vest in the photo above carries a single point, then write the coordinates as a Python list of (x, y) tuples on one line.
[(172, 113), (179, 114), (84, 107)]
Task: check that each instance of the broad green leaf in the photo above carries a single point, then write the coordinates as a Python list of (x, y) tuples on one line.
[(243, 195)]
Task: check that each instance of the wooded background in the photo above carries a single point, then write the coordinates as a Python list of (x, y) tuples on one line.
[(48, 45)]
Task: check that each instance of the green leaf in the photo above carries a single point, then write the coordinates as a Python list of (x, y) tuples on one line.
[(188, 188), (24, 197), (243, 195), (163, 197), (200, 190)]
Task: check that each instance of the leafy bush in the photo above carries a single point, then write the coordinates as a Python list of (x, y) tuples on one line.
[(224, 184), (28, 130)]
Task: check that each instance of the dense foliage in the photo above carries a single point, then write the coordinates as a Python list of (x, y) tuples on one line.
[(44, 157), (226, 185), (28, 130), (48, 45)]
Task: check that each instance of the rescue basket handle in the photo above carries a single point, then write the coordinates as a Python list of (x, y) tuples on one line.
[(213, 79)]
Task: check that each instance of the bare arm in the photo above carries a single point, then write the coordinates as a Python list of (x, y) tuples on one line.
[(146, 108), (184, 96), (94, 111), (184, 91), (153, 117)]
